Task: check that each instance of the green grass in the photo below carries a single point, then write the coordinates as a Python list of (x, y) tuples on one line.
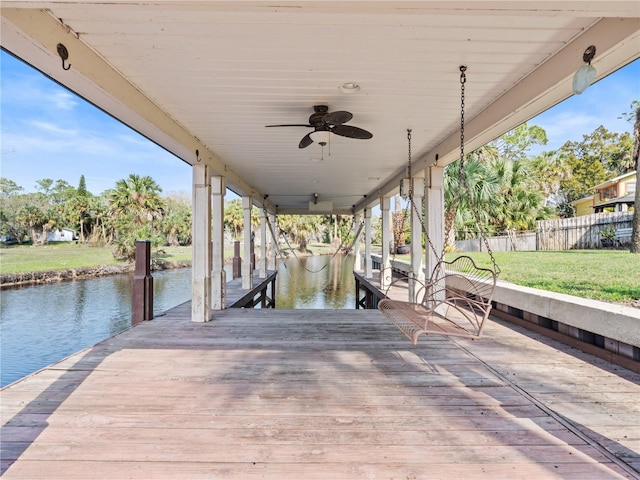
[(609, 275), (62, 256)]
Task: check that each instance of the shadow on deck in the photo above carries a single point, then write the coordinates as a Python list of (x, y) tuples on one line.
[(320, 394)]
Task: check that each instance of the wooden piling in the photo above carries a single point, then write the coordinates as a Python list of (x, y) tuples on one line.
[(142, 299)]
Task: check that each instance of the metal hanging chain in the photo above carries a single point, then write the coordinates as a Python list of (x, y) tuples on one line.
[(462, 174)]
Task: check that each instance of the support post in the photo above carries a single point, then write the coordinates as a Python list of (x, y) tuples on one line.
[(263, 245), (218, 274), (253, 252), (247, 273), (417, 273), (142, 298), (201, 244), (367, 244), (273, 243), (434, 211), (357, 264), (385, 265)]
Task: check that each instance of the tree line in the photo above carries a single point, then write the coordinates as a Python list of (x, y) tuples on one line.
[(508, 190), (133, 209)]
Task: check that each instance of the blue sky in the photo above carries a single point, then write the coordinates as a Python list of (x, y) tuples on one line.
[(48, 132)]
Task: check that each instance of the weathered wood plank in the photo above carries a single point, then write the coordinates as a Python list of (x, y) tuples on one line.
[(318, 394), (312, 469)]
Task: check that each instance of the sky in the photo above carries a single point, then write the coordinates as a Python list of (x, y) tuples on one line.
[(48, 132)]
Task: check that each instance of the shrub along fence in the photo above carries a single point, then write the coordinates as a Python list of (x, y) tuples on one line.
[(584, 232)]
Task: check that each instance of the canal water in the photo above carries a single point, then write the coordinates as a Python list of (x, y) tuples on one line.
[(42, 324)]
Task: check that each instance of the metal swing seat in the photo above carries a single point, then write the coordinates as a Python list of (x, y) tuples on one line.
[(456, 300)]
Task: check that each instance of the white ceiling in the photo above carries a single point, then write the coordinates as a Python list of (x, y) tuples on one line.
[(210, 75)]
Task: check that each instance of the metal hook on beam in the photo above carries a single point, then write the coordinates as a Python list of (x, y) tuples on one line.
[(64, 55)]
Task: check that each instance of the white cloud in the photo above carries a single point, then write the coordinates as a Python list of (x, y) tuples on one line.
[(63, 100), (50, 127)]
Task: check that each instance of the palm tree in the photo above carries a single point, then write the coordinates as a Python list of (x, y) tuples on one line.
[(234, 218), (468, 194), (135, 206), (137, 198), (299, 227)]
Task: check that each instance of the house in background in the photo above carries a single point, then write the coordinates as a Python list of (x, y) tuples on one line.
[(584, 205), (614, 195), (62, 235)]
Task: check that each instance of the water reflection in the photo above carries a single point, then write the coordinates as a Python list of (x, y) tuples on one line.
[(42, 324), (316, 282)]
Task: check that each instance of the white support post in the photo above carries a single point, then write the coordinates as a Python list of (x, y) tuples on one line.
[(357, 263), (367, 244), (417, 272), (247, 274), (218, 274), (273, 243), (201, 244), (385, 270), (434, 209), (263, 244)]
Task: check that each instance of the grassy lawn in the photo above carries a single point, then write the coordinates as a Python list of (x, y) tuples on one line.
[(62, 255), (610, 275)]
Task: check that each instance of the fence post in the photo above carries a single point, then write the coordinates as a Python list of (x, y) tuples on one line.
[(142, 298)]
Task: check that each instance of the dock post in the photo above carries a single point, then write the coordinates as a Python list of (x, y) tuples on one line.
[(142, 298), (237, 261), (253, 251)]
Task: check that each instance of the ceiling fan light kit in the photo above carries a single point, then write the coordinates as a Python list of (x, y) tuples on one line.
[(320, 136)]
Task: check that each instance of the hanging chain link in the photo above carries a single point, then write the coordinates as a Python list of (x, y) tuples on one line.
[(409, 167), (462, 176), (463, 80)]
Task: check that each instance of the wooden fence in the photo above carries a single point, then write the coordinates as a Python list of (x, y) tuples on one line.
[(579, 232), (561, 234), (523, 241)]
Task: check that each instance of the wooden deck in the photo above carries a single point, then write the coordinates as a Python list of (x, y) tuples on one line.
[(331, 394)]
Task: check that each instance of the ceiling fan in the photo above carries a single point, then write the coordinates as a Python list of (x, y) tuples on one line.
[(324, 122)]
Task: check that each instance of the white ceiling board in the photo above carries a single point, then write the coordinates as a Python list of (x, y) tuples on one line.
[(215, 73)]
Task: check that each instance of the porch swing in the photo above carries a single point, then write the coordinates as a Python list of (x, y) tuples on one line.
[(456, 300)]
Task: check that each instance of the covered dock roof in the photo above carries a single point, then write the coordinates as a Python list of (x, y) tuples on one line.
[(203, 79)]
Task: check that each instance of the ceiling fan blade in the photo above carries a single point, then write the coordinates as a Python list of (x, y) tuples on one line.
[(351, 132), (337, 118), (306, 141), (292, 125)]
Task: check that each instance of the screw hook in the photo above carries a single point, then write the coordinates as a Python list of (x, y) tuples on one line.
[(64, 55)]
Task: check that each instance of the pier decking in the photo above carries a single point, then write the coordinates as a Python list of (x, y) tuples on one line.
[(330, 394)]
